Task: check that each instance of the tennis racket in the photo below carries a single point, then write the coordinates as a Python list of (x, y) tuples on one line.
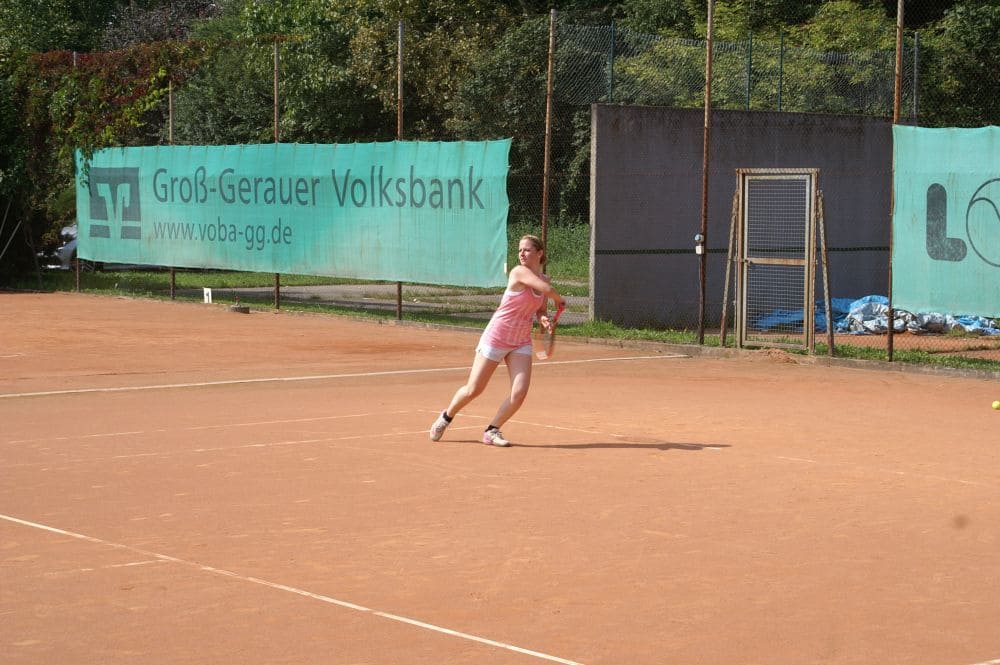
[(545, 340)]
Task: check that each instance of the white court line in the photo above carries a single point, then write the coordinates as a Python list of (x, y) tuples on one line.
[(296, 442), (289, 589), (196, 428), (245, 446), (60, 573), (989, 662), (871, 469), (321, 377), (627, 437)]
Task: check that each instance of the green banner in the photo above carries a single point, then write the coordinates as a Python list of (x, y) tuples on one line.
[(432, 213), (946, 221)]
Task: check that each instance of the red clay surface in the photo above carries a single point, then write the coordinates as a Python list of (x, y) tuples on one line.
[(175, 488)]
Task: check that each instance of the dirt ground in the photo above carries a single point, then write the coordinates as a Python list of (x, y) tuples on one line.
[(180, 483)]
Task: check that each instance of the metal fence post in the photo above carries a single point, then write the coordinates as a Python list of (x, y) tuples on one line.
[(706, 140), (896, 96), (399, 136), (170, 141), (547, 157), (916, 74), (277, 138)]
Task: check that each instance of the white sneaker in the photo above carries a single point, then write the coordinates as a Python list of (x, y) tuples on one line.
[(495, 438), (438, 428)]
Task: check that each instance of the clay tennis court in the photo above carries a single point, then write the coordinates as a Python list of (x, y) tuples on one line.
[(180, 483)]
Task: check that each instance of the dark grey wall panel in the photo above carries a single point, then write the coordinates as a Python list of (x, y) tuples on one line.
[(646, 202)]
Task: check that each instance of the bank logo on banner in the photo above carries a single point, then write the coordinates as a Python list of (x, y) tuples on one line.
[(114, 198), (982, 225)]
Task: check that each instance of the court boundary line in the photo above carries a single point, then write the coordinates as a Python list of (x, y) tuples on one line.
[(195, 428), (319, 377), (301, 592), (243, 446), (887, 471)]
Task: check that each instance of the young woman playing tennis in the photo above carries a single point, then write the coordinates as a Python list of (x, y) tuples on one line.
[(507, 338)]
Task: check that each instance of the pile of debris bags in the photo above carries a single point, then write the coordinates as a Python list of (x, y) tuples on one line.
[(870, 316)]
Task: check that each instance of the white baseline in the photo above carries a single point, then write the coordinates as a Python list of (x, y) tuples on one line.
[(320, 377), (289, 589)]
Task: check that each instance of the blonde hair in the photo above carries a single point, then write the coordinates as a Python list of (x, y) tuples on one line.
[(537, 242)]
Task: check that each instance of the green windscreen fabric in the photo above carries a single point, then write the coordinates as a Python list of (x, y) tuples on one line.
[(946, 221), (426, 212)]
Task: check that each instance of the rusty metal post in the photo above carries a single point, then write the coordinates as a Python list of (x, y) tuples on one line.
[(76, 259), (399, 81), (277, 138), (706, 142), (277, 133), (730, 263), (170, 141), (824, 257), (399, 136), (548, 129), (897, 95)]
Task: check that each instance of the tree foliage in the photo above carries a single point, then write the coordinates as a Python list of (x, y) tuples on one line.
[(471, 69), (672, 19), (961, 86), (442, 40), (69, 25), (735, 19), (132, 24)]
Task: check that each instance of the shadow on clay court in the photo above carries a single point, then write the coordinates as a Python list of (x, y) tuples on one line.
[(662, 445)]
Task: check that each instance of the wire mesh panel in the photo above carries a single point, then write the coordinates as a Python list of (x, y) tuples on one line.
[(776, 255)]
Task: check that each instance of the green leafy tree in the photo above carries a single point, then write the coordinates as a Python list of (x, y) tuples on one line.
[(13, 149), (960, 86), (68, 102), (231, 100), (735, 19), (840, 60), (441, 41), (917, 14), (71, 25), (846, 25), (504, 96), (11, 136), (131, 24), (673, 18)]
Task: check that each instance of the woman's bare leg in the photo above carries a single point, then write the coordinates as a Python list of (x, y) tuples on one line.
[(519, 367), (479, 376)]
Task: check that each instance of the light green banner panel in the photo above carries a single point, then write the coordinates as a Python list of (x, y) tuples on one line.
[(946, 223), (433, 213)]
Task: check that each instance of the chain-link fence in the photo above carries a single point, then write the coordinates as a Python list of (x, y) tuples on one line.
[(610, 64), (477, 80)]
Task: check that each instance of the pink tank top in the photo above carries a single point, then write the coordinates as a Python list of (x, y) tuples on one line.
[(510, 326)]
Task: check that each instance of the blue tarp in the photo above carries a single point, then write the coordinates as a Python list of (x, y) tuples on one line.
[(869, 315), (785, 318)]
